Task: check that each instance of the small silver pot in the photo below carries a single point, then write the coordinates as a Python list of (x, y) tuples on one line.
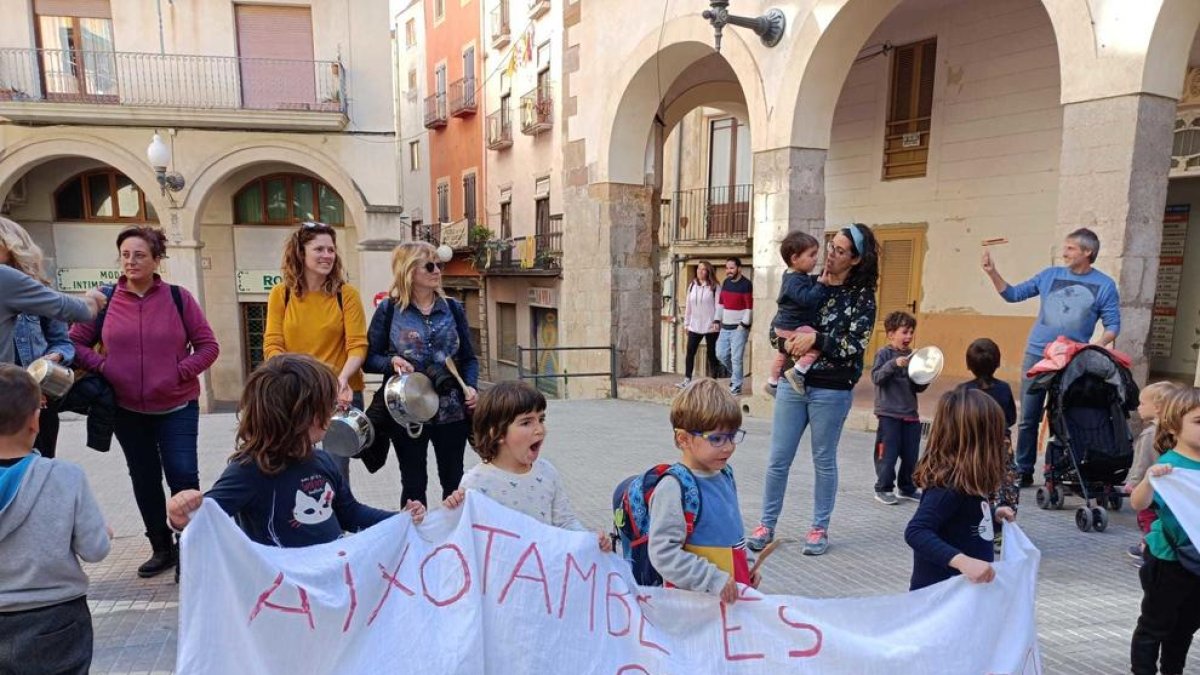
[(349, 432), (54, 379), (410, 399)]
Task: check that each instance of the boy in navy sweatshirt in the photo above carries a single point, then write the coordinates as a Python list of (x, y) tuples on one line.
[(899, 432)]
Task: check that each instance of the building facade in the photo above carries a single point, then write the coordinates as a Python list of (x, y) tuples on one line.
[(274, 114), (412, 143), (940, 123), (522, 260)]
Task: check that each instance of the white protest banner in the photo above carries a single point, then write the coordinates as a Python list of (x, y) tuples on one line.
[(484, 589), (1180, 489)]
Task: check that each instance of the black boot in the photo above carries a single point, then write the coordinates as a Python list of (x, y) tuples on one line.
[(178, 560), (164, 558)]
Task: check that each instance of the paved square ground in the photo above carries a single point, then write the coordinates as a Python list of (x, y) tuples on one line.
[(1088, 592)]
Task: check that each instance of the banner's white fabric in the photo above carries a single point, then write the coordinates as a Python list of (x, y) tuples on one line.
[(487, 590), (1180, 489)]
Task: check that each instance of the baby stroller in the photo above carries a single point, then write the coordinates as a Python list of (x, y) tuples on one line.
[(1090, 448)]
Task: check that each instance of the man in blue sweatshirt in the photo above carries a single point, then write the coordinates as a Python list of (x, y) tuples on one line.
[(1074, 297)]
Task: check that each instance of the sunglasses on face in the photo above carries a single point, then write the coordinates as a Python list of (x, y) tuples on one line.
[(431, 266)]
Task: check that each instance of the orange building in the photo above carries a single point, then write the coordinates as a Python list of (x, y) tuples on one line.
[(453, 78)]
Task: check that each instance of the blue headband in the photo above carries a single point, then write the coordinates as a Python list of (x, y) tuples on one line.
[(856, 235)]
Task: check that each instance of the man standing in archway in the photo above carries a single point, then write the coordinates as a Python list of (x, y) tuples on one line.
[(735, 304), (1074, 297)]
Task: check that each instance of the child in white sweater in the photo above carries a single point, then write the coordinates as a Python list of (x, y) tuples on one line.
[(509, 428)]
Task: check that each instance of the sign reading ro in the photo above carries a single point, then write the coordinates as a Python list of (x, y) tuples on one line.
[(257, 281)]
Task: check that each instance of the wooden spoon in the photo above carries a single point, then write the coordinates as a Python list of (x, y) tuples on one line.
[(454, 371), (762, 556)]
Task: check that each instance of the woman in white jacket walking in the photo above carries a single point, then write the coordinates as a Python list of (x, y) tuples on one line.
[(698, 316)]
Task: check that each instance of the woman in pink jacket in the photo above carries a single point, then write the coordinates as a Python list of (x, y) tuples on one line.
[(698, 317), (156, 343)]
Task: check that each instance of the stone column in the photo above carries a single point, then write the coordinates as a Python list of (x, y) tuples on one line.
[(1113, 179), (609, 288), (789, 194)]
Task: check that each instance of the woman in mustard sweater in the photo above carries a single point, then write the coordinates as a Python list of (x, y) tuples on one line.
[(315, 312)]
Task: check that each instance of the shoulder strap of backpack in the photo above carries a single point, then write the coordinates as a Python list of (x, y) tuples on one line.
[(689, 492), (287, 296), (339, 297), (177, 297), (108, 292)]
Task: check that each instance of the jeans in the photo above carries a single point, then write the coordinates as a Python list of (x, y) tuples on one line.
[(731, 347), (693, 345), (154, 446), (1032, 406), (1170, 616), (51, 640), (896, 439), (826, 411), (449, 446)]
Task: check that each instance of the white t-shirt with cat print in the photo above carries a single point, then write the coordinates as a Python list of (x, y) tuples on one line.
[(538, 494)]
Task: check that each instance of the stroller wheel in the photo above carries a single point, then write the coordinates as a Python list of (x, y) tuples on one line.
[(1099, 519), (1083, 518), (1115, 502), (1058, 498), (1043, 498)]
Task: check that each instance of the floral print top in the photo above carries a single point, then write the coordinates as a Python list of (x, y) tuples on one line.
[(846, 320)]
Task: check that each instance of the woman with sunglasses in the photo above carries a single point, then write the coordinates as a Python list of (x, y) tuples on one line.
[(315, 312), (844, 327), (426, 329)]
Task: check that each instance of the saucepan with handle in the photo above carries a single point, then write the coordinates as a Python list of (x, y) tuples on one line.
[(349, 432), (411, 400)]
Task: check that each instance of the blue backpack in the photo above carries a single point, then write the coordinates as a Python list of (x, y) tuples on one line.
[(631, 514)]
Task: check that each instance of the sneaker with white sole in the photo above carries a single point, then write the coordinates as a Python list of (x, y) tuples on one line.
[(914, 496), (817, 541), (795, 379), (886, 498), (760, 537)]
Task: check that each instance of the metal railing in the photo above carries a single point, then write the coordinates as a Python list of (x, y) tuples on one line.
[(435, 111), (462, 96), (534, 351), (171, 80), (430, 232), (537, 109), (499, 129), (709, 213), (501, 33)]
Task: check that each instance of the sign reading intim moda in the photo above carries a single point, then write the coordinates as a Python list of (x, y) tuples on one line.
[(258, 281), (80, 279)]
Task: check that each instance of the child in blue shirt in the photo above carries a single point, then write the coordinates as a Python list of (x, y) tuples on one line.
[(951, 532), (712, 558), (1171, 574), (280, 489)]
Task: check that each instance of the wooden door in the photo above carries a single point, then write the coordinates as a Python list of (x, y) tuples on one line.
[(901, 253)]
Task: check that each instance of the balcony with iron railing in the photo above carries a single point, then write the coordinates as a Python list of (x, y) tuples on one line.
[(435, 111), (462, 97), (532, 255), (709, 214), (501, 32), (129, 88), (499, 130), (537, 110), (427, 232)]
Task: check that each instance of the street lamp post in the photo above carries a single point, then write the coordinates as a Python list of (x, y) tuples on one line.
[(159, 155), (769, 27)]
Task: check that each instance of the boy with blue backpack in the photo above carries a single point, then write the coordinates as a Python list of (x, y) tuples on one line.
[(679, 524)]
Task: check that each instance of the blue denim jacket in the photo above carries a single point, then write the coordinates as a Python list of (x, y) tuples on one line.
[(425, 341), (36, 336)]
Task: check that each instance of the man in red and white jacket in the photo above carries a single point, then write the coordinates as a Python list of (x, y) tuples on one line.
[(735, 306)]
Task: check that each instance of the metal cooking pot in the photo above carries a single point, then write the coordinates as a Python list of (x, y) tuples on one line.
[(410, 399), (54, 379), (349, 432), (925, 365)]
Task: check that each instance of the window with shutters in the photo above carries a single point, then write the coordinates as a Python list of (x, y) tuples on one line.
[(443, 201), (469, 199), (414, 155), (506, 318), (910, 109), (275, 50), (439, 10), (410, 33)]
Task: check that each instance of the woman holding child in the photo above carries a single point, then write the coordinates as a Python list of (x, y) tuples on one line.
[(416, 330), (844, 325)]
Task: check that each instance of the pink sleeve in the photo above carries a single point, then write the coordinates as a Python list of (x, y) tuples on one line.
[(204, 342)]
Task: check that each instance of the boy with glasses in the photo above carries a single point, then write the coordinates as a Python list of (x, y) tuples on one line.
[(705, 554)]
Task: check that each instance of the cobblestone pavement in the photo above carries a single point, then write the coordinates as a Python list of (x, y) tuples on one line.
[(1087, 598)]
